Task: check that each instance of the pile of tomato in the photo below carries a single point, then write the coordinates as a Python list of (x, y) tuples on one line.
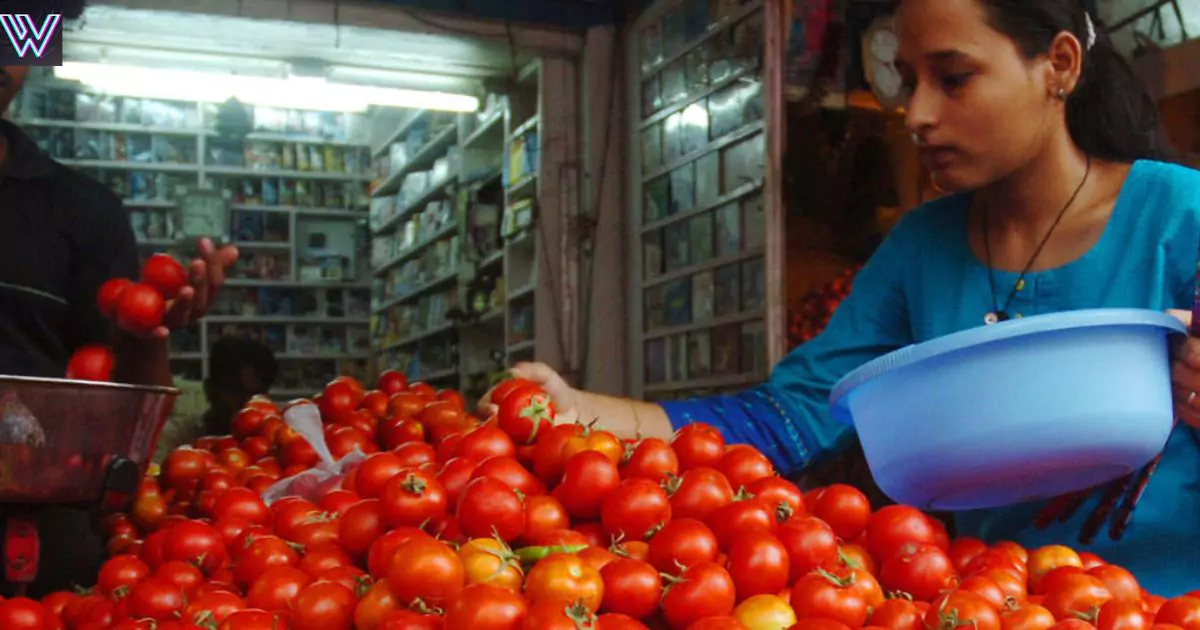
[(519, 523), (812, 315)]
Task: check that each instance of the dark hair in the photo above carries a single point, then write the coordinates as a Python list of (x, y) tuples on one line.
[(1110, 114), (230, 354), (72, 9)]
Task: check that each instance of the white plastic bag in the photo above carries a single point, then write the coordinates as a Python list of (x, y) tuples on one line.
[(315, 483)]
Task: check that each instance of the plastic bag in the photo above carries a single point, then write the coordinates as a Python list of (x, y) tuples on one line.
[(315, 483)]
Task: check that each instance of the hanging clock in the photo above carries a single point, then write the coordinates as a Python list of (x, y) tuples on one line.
[(879, 45)]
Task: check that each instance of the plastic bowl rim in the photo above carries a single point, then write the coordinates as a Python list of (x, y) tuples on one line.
[(984, 334), (80, 384)]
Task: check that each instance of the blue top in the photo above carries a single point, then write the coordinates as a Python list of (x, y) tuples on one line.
[(924, 282)]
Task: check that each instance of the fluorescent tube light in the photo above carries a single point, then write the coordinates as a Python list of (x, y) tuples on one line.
[(290, 93)]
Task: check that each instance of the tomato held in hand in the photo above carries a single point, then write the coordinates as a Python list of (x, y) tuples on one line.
[(92, 362), (524, 413), (109, 295), (165, 274), (140, 309)]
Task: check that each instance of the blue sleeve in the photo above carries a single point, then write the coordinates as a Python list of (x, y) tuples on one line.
[(788, 417)]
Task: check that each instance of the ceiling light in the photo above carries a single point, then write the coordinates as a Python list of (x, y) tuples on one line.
[(312, 93)]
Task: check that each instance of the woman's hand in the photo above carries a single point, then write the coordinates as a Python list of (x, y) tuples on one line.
[(206, 275), (564, 397), (1185, 374)]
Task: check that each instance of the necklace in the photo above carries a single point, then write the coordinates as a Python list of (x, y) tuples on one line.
[(998, 313)]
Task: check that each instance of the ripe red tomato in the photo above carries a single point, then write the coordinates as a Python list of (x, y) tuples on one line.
[(155, 599), (565, 577), (488, 507), (650, 458), (1182, 611), (242, 503), (739, 518), (698, 445), (442, 418), (121, 572), (1076, 594), (631, 587), (255, 620), (425, 568), (338, 399), (391, 382), (548, 459), (827, 596), (543, 515), (558, 615), (261, 554), (197, 543), (165, 274), (634, 509), (1120, 582), (587, 479), (682, 542), (923, 571), (524, 413), (959, 609), (485, 443), (215, 605), (698, 493), (140, 309), (845, 508), (783, 494), (109, 295), (411, 498), (91, 362), (1122, 615), (758, 564), (893, 526), (899, 614), (506, 387), (277, 588), (743, 465), (485, 607), (704, 590), (324, 605)]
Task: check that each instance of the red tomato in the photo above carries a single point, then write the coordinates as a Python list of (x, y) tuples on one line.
[(1122, 615), (512, 473), (824, 595), (121, 572), (698, 445), (845, 508), (965, 549), (261, 554), (155, 599), (183, 575), (558, 614), (255, 620), (140, 309), (923, 571), (682, 542), (960, 609), (374, 473), (544, 514), (631, 587), (197, 543), (635, 509), (893, 526), (488, 507), (548, 458), (277, 588), (324, 606), (165, 274), (565, 577), (524, 413), (703, 590), (412, 498), (758, 564), (614, 621), (1026, 616), (739, 518), (485, 607), (1076, 594), (110, 294), (743, 465), (20, 613), (376, 606), (391, 382), (427, 569), (413, 454), (1121, 583), (899, 614), (485, 443), (781, 493), (698, 493), (242, 503), (91, 362), (506, 387), (650, 458), (588, 478)]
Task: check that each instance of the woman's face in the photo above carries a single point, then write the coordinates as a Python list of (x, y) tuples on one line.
[(979, 109)]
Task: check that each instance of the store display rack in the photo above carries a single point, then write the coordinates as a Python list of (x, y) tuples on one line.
[(454, 252), (697, 208), (297, 196)]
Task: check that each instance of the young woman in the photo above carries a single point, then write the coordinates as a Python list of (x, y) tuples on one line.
[(1063, 200)]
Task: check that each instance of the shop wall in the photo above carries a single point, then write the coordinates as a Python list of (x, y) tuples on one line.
[(604, 322)]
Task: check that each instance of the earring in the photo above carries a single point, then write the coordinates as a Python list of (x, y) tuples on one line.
[(1061, 94)]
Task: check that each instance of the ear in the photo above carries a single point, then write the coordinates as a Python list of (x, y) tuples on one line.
[(1066, 62)]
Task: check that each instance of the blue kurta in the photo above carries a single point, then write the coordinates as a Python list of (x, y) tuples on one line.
[(924, 282)]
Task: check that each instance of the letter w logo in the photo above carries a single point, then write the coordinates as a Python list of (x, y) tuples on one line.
[(25, 35)]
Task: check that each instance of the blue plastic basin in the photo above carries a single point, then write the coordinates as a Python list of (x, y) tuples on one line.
[(1022, 410)]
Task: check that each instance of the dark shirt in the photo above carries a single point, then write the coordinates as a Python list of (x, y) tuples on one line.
[(62, 234)]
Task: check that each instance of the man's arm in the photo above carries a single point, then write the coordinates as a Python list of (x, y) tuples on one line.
[(106, 248)]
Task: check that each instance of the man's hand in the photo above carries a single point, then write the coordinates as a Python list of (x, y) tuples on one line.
[(206, 275)]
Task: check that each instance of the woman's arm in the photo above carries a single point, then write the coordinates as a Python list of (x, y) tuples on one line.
[(788, 417)]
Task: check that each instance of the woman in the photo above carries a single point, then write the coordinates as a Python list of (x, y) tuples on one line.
[(1033, 119)]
